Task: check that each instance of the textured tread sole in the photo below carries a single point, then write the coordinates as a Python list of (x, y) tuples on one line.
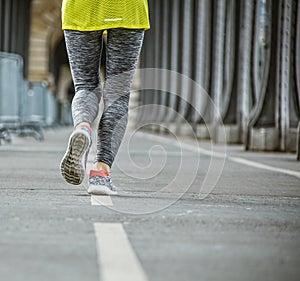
[(72, 166), (100, 190)]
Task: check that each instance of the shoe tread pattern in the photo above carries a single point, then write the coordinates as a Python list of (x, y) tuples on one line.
[(72, 168)]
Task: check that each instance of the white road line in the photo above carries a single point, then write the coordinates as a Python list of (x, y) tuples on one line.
[(116, 258), (265, 167), (221, 155), (182, 145), (97, 200)]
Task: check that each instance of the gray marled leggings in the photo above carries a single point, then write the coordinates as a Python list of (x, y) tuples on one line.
[(122, 52)]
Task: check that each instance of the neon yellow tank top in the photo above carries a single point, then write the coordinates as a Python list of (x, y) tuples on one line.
[(88, 15)]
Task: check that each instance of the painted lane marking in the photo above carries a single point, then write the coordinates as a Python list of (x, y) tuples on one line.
[(264, 167), (182, 145), (116, 258), (98, 200), (221, 155)]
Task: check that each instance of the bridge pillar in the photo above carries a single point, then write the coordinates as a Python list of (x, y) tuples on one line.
[(274, 118)]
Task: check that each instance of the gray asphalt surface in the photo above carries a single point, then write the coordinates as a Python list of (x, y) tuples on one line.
[(246, 228)]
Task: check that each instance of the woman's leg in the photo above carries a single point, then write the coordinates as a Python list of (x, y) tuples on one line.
[(123, 50), (84, 51)]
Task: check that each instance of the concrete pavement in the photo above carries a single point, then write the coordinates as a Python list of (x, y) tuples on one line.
[(246, 228)]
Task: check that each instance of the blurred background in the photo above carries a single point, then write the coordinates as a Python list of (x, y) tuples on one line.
[(243, 54)]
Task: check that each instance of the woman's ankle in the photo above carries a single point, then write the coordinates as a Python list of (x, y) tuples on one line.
[(102, 166), (85, 124)]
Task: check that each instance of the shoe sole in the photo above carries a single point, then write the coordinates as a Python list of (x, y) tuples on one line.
[(72, 166), (100, 190)]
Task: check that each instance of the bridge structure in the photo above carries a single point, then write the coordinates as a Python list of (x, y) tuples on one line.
[(229, 69), (244, 64)]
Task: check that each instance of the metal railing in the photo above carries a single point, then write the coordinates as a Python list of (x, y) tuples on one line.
[(25, 108)]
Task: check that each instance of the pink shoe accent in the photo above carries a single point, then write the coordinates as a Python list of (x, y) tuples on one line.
[(100, 173)]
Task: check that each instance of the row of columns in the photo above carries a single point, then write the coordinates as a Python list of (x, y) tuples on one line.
[(231, 71), (14, 28)]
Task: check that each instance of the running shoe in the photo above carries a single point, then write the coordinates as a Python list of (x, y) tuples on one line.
[(100, 183), (73, 164)]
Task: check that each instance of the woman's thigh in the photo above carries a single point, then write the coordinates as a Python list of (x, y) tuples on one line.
[(123, 50), (84, 52)]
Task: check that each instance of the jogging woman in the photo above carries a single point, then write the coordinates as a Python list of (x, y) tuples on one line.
[(84, 22)]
